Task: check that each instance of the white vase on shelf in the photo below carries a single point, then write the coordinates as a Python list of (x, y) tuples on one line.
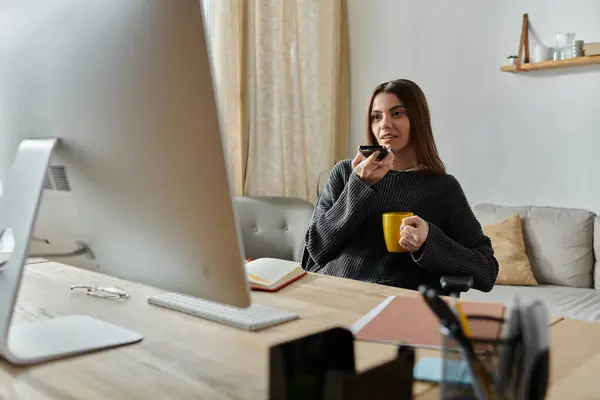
[(541, 53)]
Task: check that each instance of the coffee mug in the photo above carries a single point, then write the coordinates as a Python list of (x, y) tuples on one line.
[(391, 230)]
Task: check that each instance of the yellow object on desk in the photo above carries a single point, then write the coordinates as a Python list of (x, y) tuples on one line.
[(485, 383), (462, 317)]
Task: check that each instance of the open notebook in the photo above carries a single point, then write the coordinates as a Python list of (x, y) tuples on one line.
[(271, 274)]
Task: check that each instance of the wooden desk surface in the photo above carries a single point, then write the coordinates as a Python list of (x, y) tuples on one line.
[(575, 360), (181, 357)]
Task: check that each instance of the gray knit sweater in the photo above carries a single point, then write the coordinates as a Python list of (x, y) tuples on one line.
[(345, 237)]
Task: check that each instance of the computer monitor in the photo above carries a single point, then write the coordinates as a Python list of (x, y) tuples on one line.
[(119, 95)]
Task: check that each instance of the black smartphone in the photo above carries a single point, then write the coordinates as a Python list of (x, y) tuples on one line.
[(367, 150), (298, 369)]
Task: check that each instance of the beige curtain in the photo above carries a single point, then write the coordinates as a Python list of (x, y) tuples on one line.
[(281, 69), (226, 27)]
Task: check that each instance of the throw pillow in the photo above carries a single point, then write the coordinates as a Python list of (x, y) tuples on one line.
[(509, 249)]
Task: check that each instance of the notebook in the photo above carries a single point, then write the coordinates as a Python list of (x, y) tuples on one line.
[(408, 320), (272, 274)]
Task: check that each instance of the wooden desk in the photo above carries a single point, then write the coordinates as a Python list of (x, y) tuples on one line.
[(181, 357), (575, 360)]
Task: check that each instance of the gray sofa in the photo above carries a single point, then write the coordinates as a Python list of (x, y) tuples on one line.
[(561, 244)]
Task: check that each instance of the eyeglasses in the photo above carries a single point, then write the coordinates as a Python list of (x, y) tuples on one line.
[(106, 293)]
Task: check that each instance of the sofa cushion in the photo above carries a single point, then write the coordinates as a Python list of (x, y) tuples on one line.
[(559, 241), (509, 248), (561, 301)]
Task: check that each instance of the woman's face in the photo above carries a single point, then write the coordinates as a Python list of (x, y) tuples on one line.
[(389, 122)]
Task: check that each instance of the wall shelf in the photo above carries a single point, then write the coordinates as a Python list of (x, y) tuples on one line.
[(572, 62)]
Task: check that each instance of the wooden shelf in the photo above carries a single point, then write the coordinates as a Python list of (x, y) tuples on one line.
[(572, 62)]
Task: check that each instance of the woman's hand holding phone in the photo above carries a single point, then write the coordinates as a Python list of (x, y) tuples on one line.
[(369, 170)]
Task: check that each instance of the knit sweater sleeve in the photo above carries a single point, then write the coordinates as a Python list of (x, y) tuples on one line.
[(462, 248), (342, 207)]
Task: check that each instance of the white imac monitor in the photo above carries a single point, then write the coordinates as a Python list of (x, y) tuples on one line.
[(118, 95)]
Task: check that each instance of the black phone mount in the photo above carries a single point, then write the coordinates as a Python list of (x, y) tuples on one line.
[(321, 366), (455, 285)]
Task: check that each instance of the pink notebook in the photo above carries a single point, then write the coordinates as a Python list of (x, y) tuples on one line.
[(408, 320)]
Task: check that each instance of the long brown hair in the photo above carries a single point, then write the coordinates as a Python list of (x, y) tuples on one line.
[(417, 111)]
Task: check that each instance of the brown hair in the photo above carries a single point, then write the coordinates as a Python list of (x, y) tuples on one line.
[(417, 111)]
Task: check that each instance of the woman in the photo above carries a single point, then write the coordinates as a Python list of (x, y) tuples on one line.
[(345, 237)]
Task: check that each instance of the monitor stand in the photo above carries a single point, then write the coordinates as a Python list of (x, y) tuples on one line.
[(58, 337)]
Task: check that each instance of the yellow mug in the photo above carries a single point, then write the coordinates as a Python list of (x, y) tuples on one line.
[(391, 230)]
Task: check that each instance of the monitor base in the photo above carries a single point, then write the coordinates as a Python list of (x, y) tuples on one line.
[(54, 338), (64, 337)]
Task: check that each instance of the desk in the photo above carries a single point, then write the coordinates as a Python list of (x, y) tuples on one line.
[(574, 361), (575, 358), (181, 357)]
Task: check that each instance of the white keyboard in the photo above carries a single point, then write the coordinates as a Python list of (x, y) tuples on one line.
[(252, 318)]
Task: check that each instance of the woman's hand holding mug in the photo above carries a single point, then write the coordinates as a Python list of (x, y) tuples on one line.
[(413, 233)]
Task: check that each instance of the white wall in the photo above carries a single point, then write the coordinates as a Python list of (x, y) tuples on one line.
[(530, 138)]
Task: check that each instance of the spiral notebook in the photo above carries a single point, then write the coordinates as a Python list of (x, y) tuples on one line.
[(408, 320)]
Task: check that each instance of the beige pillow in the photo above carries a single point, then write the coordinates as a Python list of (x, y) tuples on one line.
[(509, 249)]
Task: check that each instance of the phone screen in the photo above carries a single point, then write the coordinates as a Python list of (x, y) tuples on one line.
[(366, 151)]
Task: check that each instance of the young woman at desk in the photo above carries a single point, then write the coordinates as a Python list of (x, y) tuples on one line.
[(345, 237)]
